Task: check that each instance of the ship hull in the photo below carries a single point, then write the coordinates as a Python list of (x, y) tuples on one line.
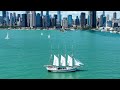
[(62, 70), (65, 69)]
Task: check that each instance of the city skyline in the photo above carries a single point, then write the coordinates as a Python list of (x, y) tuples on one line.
[(57, 19), (73, 13)]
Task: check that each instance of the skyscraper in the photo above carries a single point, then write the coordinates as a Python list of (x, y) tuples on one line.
[(65, 23), (52, 22), (92, 19), (14, 18), (18, 16), (85, 22), (38, 23), (3, 14), (11, 19), (47, 19), (77, 21), (41, 13), (107, 18), (33, 18), (82, 19), (59, 18), (114, 15), (109, 23), (103, 13), (88, 21), (4, 17), (19, 21), (55, 20), (104, 21), (69, 20), (24, 20), (101, 20), (90, 14), (44, 21), (41, 19), (28, 18), (98, 22), (1, 20), (7, 18)]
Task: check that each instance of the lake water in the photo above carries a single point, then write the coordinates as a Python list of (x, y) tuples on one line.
[(27, 51)]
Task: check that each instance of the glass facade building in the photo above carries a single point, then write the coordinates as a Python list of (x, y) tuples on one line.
[(82, 19), (38, 23), (24, 20), (70, 20)]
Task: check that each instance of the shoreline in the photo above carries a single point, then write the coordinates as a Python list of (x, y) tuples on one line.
[(61, 29)]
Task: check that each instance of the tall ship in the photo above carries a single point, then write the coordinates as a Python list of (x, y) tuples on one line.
[(62, 64)]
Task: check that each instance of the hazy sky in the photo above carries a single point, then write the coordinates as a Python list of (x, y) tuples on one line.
[(75, 13)]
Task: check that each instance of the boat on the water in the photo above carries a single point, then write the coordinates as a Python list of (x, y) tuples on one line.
[(41, 34), (64, 65), (114, 31), (104, 29), (7, 37), (48, 36), (118, 32), (111, 31), (72, 29)]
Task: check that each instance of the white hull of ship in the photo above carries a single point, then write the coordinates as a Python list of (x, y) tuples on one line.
[(57, 69), (62, 70)]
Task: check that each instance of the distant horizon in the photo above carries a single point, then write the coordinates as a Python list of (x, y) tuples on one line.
[(73, 13)]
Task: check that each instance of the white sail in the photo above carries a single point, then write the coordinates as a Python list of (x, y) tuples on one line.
[(7, 36), (70, 61), (77, 63), (56, 61), (63, 61), (48, 36)]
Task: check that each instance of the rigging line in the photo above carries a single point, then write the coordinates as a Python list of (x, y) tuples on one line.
[(58, 50), (65, 50)]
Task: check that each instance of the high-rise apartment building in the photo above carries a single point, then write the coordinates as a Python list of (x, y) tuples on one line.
[(82, 19)]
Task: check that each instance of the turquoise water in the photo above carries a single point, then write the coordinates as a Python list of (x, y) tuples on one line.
[(26, 52)]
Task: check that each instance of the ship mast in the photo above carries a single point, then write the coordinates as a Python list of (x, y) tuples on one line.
[(65, 53), (58, 53), (50, 55), (72, 55)]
